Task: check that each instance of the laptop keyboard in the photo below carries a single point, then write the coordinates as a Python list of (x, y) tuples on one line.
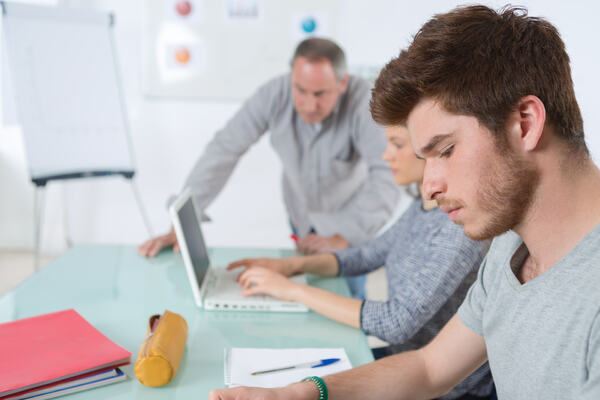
[(225, 282), (224, 293)]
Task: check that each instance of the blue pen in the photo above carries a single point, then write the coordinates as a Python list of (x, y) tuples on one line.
[(314, 364)]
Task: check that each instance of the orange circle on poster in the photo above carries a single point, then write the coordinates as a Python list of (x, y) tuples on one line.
[(184, 8), (182, 55)]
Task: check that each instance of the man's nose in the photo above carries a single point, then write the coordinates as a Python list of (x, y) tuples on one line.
[(433, 181), (310, 104)]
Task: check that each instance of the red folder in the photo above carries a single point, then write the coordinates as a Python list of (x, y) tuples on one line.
[(51, 347)]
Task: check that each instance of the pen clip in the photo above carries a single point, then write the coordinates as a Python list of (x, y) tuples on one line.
[(326, 361)]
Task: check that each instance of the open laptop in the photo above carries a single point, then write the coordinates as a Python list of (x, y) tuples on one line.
[(216, 288)]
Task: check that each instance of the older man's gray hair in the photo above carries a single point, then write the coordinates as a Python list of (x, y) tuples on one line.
[(316, 49)]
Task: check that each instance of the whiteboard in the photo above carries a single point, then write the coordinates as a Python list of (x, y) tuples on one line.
[(67, 91), (223, 49)]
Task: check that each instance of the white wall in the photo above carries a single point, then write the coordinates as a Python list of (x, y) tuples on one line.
[(168, 135)]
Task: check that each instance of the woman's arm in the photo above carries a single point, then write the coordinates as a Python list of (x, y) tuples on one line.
[(320, 264), (338, 308), (257, 280)]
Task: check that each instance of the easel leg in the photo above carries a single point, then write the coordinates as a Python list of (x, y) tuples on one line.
[(38, 205), (138, 199), (68, 240)]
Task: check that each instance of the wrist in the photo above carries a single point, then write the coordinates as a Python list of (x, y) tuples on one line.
[(341, 240), (296, 265), (295, 292), (302, 391)]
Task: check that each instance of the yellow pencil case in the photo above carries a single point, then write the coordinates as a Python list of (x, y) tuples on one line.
[(161, 352)]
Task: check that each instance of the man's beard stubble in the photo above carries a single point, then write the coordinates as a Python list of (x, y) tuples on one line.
[(504, 194)]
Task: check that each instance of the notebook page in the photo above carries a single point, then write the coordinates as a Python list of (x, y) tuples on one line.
[(241, 362)]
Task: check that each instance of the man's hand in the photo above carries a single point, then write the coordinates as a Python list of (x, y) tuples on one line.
[(244, 393), (258, 280), (315, 244), (283, 266), (296, 391), (153, 246)]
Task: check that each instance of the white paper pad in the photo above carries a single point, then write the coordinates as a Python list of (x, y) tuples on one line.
[(241, 362)]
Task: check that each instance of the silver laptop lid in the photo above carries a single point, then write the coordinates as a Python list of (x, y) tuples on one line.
[(191, 241)]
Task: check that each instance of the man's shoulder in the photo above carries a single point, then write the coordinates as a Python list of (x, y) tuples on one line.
[(588, 248), (358, 88), (279, 80), (277, 86), (355, 101), (582, 265), (273, 95)]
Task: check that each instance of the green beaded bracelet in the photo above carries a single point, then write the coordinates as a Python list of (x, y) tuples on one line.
[(323, 395)]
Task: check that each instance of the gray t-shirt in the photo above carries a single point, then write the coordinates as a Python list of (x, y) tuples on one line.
[(542, 337)]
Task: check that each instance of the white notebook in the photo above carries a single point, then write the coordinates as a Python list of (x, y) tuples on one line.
[(241, 362)]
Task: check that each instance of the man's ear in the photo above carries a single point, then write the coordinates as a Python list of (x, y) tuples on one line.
[(527, 123), (344, 84)]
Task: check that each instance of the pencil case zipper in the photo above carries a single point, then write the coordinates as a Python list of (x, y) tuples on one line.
[(153, 323)]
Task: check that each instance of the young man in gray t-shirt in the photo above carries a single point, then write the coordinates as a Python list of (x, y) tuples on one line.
[(542, 335), (489, 103)]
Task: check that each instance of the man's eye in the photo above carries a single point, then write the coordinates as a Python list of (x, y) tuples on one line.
[(398, 145), (446, 153)]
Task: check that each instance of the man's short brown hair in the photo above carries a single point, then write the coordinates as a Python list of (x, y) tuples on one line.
[(479, 62)]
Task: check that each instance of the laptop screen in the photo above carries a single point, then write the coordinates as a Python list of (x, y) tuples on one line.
[(193, 239)]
